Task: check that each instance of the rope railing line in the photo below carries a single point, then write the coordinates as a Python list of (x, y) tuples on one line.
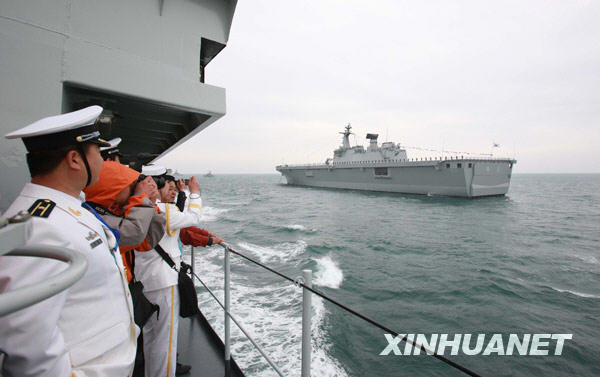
[(271, 363), (442, 151), (355, 313)]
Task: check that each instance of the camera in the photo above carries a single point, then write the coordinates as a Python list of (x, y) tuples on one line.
[(160, 181), (140, 178)]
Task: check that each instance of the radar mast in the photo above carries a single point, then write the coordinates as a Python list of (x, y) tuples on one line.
[(346, 138)]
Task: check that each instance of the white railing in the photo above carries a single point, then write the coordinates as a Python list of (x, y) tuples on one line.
[(226, 306), (307, 291), (21, 298)]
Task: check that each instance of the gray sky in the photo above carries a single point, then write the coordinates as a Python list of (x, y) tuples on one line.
[(457, 76)]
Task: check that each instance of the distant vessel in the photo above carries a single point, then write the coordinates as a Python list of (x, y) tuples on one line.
[(387, 168), (209, 174)]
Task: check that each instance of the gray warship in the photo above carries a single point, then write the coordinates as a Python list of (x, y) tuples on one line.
[(387, 168), (144, 62)]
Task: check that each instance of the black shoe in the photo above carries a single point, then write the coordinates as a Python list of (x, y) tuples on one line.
[(181, 369)]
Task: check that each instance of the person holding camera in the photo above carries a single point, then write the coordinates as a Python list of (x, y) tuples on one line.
[(182, 193), (160, 280), (191, 235), (125, 200)]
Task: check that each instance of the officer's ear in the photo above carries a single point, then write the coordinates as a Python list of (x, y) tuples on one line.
[(74, 161)]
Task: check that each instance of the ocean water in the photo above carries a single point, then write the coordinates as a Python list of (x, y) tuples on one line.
[(525, 263)]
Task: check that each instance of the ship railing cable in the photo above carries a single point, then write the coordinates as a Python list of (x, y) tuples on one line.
[(349, 310), (410, 161), (271, 363)]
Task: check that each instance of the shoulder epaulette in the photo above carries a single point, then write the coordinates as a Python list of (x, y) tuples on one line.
[(41, 208)]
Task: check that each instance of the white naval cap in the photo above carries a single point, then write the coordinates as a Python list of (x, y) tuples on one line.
[(113, 143), (62, 130), (153, 170), (113, 149)]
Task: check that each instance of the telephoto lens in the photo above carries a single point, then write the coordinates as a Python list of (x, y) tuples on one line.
[(160, 181), (140, 178)]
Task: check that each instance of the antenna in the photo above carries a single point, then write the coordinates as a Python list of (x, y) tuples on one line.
[(347, 130), (345, 139)]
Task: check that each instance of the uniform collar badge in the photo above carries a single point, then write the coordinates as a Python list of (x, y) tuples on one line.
[(74, 211)]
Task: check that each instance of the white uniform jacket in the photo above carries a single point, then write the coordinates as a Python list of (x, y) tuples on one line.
[(86, 330), (150, 268), (197, 201)]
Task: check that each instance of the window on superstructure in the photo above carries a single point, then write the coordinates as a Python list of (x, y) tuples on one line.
[(447, 166), (459, 165), (470, 165), (381, 172)]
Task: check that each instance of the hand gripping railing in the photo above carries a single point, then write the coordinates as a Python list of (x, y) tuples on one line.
[(307, 290), (23, 297)]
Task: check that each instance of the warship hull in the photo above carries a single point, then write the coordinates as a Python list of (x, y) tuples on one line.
[(455, 177)]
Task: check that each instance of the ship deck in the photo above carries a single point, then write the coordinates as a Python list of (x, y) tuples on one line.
[(411, 162), (200, 347)]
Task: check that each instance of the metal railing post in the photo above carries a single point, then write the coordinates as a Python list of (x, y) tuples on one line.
[(227, 307), (306, 326), (193, 263)]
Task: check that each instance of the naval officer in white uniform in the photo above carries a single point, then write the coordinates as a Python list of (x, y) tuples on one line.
[(87, 330), (112, 152), (160, 280)]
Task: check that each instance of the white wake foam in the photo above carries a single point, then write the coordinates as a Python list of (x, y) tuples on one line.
[(211, 213), (295, 227), (586, 295), (236, 202), (279, 252), (588, 259), (328, 273), (321, 363), (271, 314)]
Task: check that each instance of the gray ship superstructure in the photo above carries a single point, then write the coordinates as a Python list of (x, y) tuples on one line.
[(387, 168), (144, 63)]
